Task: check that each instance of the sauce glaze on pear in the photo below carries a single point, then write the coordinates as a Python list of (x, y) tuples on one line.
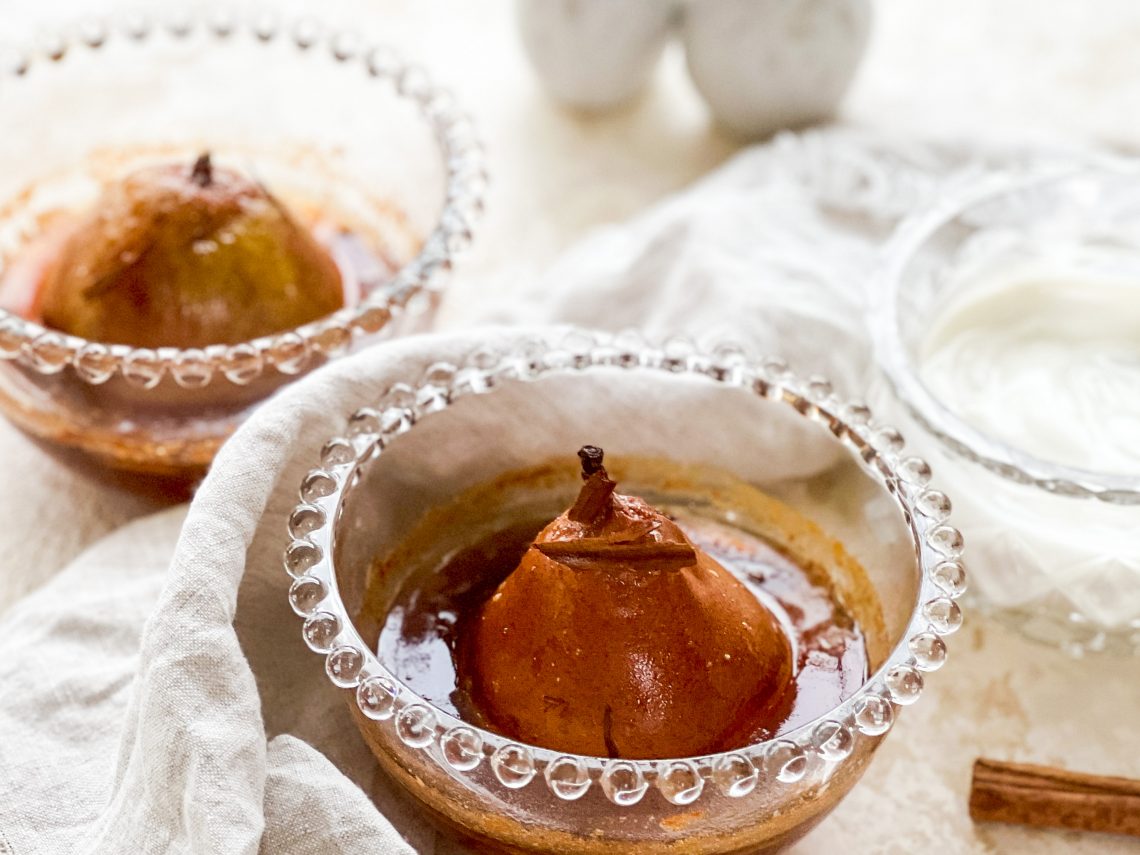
[(176, 255)]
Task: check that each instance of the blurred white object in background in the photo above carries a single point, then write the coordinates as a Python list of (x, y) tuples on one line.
[(594, 54), (763, 65)]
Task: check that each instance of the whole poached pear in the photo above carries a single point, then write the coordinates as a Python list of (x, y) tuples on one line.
[(616, 637), (181, 255)]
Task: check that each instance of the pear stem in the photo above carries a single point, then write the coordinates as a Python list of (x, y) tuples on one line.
[(595, 498), (203, 172), (591, 457)]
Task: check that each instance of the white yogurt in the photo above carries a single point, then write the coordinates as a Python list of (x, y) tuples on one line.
[(1049, 364)]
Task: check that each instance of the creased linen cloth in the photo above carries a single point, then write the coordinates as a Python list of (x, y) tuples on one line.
[(167, 704)]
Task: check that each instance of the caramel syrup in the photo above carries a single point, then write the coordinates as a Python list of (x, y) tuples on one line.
[(421, 633)]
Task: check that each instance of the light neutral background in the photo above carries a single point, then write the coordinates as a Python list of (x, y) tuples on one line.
[(1015, 69)]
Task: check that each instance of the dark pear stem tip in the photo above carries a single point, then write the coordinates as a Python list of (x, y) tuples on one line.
[(203, 172), (594, 500), (591, 457)]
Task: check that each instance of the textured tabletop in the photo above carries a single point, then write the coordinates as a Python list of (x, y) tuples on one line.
[(1014, 70)]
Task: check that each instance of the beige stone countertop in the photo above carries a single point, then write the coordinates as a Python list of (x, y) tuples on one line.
[(969, 70)]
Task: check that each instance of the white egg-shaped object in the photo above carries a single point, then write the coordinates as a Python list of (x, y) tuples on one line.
[(765, 65), (594, 54)]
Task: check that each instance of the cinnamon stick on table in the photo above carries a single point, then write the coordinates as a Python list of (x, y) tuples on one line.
[(1045, 797)]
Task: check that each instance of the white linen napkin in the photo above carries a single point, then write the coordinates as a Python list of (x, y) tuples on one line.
[(167, 704)]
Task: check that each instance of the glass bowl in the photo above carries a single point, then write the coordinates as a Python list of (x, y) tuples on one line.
[(341, 129), (1053, 534), (433, 437)]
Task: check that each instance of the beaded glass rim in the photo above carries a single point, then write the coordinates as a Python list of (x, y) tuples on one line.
[(462, 747), (48, 351), (958, 436)]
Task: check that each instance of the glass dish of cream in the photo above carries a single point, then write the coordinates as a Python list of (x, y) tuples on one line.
[(1007, 322)]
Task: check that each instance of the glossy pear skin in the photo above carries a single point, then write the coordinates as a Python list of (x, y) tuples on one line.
[(634, 659), (174, 256)]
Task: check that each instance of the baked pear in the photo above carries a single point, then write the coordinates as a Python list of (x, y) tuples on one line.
[(616, 637), (187, 255)]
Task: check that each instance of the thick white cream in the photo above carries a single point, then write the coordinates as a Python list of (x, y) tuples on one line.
[(1049, 364)]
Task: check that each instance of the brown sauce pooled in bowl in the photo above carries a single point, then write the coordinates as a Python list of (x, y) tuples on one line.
[(426, 637)]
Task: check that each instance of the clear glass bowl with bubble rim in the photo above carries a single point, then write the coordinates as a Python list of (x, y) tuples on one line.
[(345, 126), (460, 422), (1053, 547)]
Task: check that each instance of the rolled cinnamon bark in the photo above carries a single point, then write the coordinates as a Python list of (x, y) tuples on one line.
[(1045, 797)]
